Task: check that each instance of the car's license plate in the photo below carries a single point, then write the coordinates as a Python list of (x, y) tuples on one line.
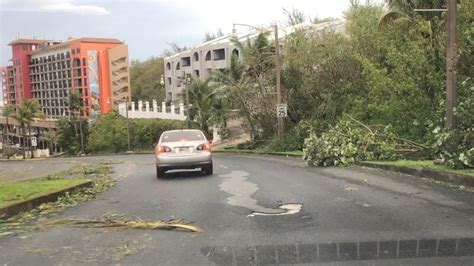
[(184, 150)]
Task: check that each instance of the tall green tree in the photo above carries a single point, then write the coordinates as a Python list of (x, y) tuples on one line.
[(52, 138), (76, 108), (145, 79), (25, 115), (249, 83)]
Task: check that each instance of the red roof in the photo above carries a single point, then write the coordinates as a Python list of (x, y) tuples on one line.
[(27, 41)]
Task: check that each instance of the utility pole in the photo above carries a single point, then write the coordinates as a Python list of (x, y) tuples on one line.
[(451, 60), (128, 124), (278, 82)]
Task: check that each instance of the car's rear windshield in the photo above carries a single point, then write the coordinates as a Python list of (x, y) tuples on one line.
[(182, 136)]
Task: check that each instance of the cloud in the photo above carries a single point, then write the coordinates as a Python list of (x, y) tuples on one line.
[(75, 9), (51, 6)]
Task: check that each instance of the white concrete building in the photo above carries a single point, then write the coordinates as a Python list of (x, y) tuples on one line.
[(200, 60)]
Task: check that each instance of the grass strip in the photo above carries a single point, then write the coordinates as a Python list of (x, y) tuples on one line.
[(11, 193), (426, 164)]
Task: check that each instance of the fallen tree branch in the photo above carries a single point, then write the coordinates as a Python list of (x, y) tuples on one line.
[(130, 224)]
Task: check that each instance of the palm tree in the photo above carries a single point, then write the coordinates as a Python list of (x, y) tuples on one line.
[(7, 113), (52, 137), (76, 108), (404, 10), (24, 115), (207, 105), (249, 83)]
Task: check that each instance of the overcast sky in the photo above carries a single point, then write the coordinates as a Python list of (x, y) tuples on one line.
[(147, 26)]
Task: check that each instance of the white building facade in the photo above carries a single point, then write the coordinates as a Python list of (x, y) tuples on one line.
[(200, 60)]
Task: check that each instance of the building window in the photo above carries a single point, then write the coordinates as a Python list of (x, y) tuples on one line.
[(235, 53), (169, 81), (168, 66), (196, 56), (196, 73), (178, 67), (78, 50), (208, 56), (186, 61), (219, 54), (84, 61)]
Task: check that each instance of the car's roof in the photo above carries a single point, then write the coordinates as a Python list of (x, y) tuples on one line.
[(181, 130)]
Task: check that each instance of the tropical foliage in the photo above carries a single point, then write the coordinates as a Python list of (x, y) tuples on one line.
[(386, 70), (25, 115), (145, 79), (109, 133)]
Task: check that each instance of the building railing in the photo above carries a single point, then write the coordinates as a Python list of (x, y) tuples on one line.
[(144, 110)]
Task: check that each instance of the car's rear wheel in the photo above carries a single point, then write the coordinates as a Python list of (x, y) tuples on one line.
[(160, 173), (208, 169)]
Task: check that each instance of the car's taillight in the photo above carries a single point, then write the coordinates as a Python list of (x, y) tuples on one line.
[(204, 147), (162, 149)]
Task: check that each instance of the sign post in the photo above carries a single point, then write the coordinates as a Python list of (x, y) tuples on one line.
[(34, 142), (282, 110)]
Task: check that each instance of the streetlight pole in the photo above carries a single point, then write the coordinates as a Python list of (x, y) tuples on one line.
[(279, 100), (128, 124), (188, 121)]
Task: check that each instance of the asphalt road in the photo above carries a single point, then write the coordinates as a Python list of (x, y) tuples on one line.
[(338, 216)]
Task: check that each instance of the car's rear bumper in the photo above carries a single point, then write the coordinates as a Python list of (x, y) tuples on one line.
[(184, 162)]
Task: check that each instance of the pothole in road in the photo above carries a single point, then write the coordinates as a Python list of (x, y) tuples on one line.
[(241, 191)]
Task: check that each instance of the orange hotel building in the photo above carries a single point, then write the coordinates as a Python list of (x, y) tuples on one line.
[(49, 70)]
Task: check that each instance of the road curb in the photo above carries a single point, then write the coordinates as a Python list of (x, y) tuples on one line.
[(457, 179), (258, 153), (29, 204)]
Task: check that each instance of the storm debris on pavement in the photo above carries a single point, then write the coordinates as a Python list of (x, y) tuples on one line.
[(122, 222), (351, 189), (101, 175)]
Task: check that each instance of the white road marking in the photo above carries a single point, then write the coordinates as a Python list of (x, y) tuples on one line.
[(223, 166), (290, 209)]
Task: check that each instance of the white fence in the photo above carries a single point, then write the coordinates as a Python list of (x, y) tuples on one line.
[(144, 110)]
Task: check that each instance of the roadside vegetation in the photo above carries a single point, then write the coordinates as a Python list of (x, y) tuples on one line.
[(375, 91), (428, 164)]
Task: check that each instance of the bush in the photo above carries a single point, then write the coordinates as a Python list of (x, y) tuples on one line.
[(455, 147), (11, 151), (349, 141), (109, 133), (146, 132), (292, 140)]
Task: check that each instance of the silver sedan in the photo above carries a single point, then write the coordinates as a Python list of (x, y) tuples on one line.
[(183, 149)]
